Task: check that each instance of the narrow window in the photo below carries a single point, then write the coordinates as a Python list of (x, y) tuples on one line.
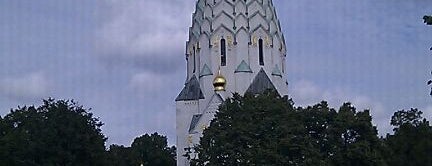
[(261, 52), (223, 52), (283, 65), (194, 60)]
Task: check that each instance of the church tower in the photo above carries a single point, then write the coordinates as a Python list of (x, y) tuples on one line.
[(234, 46)]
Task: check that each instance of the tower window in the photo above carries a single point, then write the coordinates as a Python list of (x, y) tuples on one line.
[(261, 52), (223, 52), (194, 60)]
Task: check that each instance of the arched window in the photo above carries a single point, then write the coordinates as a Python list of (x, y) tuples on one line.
[(194, 60), (261, 52), (223, 52)]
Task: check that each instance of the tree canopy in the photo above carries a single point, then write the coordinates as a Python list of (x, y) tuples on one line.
[(411, 144), (427, 19), (65, 133), (152, 150), (148, 150), (56, 133), (267, 129)]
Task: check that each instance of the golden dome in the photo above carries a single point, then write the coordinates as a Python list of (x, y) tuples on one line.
[(219, 82)]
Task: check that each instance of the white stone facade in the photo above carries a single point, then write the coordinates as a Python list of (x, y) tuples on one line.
[(254, 44)]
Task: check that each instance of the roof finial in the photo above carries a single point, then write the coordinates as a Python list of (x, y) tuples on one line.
[(219, 81)]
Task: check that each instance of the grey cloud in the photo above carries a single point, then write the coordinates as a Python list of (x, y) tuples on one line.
[(146, 34), (29, 87), (149, 83), (427, 112)]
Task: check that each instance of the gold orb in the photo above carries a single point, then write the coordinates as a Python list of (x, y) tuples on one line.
[(219, 82)]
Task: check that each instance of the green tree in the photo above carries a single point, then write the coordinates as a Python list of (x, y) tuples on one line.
[(148, 150), (120, 155), (411, 143), (152, 150), (355, 138), (343, 137), (430, 83), (267, 130), (56, 133), (253, 130), (427, 20)]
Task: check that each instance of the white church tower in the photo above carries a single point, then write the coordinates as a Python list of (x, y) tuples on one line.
[(233, 46)]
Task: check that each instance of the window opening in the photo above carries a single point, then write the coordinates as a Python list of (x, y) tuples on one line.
[(194, 60), (223, 52), (261, 52)]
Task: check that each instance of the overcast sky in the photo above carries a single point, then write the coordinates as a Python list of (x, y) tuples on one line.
[(125, 58)]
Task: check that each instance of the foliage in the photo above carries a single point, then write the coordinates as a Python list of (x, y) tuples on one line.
[(267, 130), (243, 130), (427, 20), (344, 137), (119, 155), (413, 117), (411, 143), (149, 150), (56, 133), (153, 150), (430, 83)]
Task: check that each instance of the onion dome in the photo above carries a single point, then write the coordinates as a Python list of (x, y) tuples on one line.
[(219, 82)]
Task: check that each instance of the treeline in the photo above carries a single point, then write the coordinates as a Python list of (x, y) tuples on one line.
[(261, 129), (268, 130), (62, 133)]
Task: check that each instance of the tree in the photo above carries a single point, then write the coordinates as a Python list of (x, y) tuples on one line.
[(411, 143), (430, 84), (412, 117), (343, 137), (267, 130), (250, 130), (56, 133), (355, 137), (152, 150), (148, 150), (120, 155), (427, 20)]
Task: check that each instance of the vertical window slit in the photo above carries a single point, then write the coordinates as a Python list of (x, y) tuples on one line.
[(261, 52), (223, 52), (194, 60)]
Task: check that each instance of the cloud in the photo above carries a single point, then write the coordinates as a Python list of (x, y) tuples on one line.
[(33, 86), (306, 93), (148, 82), (148, 34), (427, 112)]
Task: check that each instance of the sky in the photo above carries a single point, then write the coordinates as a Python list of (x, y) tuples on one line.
[(125, 58)]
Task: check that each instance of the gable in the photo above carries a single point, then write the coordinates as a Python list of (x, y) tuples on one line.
[(260, 83), (191, 91)]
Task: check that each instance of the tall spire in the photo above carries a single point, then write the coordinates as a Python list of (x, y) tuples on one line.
[(232, 46), (232, 34), (235, 16)]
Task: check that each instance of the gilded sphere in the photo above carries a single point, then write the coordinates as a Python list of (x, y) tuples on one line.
[(219, 83)]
